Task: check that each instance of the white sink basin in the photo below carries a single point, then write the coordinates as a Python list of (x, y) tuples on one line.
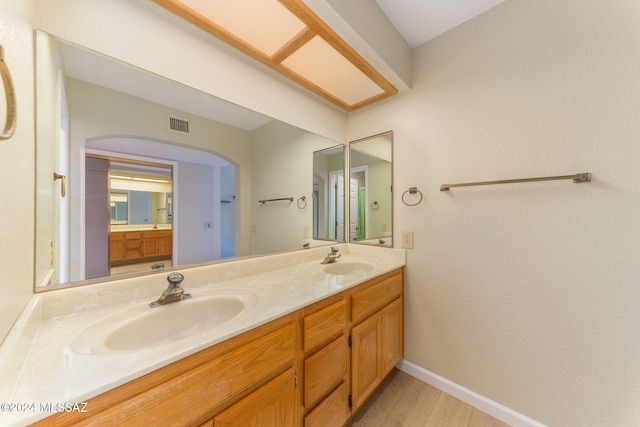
[(344, 268), (142, 327)]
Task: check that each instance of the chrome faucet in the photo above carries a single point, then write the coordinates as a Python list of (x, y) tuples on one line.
[(173, 293), (331, 256)]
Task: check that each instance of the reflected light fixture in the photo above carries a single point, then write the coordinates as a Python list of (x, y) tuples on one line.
[(288, 37)]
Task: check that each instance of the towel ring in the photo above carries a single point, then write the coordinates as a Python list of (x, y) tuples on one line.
[(302, 202), (412, 190), (10, 124)]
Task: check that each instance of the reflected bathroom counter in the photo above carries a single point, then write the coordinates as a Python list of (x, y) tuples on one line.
[(42, 362), (138, 227)]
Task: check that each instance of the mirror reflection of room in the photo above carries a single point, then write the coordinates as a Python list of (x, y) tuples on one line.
[(140, 236), (370, 200), (224, 157)]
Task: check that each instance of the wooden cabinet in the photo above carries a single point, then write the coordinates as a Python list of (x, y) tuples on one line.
[(324, 325), (326, 363), (270, 405), (193, 390), (392, 342), (300, 369), (365, 359), (378, 339), (116, 247), (128, 247), (132, 246), (332, 411)]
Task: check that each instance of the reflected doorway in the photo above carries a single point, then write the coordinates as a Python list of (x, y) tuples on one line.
[(128, 216)]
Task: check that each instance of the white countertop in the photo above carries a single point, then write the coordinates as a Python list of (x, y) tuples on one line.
[(38, 365)]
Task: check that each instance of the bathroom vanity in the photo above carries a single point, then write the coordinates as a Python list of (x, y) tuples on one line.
[(126, 247), (314, 344)]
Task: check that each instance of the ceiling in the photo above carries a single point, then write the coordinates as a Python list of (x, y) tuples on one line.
[(419, 21)]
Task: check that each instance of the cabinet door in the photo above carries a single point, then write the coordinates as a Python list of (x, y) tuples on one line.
[(365, 359), (392, 344), (116, 249), (149, 248), (271, 405), (164, 246)]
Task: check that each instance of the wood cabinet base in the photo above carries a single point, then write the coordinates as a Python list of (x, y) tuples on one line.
[(300, 369)]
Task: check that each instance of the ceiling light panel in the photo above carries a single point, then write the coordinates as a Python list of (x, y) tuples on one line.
[(321, 64), (251, 21), (288, 37)]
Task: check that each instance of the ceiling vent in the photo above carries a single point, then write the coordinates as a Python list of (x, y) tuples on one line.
[(179, 125)]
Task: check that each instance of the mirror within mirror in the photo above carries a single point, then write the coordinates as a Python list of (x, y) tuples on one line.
[(223, 160), (370, 194), (328, 194)]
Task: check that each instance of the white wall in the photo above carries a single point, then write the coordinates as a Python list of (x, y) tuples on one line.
[(227, 211), (17, 172), (527, 294), (199, 189)]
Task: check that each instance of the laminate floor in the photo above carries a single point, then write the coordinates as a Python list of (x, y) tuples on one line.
[(403, 400)]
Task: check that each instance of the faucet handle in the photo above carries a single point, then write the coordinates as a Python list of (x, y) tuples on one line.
[(175, 279), (334, 250)]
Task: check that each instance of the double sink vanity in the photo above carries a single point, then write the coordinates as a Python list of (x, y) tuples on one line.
[(280, 337)]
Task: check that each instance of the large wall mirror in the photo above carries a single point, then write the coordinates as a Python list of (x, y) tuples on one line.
[(370, 190), (220, 161)]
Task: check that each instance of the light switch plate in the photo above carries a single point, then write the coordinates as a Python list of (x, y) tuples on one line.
[(407, 240)]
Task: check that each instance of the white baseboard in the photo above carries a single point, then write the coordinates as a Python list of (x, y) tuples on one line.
[(488, 406)]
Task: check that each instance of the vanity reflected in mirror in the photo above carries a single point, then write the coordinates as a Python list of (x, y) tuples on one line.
[(220, 160), (370, 190)]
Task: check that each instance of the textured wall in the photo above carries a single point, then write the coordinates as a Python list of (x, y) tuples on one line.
[(17, 165), (527, 294)]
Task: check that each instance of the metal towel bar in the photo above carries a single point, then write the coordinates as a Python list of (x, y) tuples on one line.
[(579, 177), (276, 200)]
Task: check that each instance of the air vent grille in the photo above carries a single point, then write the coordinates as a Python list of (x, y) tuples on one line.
[(179, 125)]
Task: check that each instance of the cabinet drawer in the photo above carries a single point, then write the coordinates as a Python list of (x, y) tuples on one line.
[(156, 234), (324, 325), (324, 371), (373, 298), (116, 237), (332, 411), (133, 235), (133, 244), (206, 387)]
